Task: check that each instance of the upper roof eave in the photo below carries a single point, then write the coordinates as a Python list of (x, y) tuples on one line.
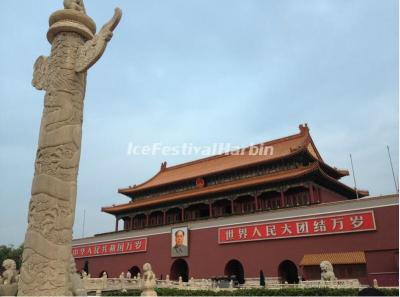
[(303, 136), (303, 144), (295, 173)]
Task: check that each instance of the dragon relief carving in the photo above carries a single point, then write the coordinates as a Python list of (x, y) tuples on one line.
[(43, 275), (51, 218)]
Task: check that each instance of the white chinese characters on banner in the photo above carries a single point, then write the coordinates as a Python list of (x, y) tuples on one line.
[(312, 226)]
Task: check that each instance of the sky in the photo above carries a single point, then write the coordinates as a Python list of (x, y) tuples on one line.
[(203, 72)]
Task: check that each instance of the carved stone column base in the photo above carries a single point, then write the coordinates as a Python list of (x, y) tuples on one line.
[(8, 290)]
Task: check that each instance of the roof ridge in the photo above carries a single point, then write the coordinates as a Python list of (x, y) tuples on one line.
[(123, 190), (303, 131)]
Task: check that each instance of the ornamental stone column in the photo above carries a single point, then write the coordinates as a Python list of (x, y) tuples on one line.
[(47, 265)]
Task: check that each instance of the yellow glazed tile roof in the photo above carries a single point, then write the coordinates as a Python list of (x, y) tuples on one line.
[(334, 258)]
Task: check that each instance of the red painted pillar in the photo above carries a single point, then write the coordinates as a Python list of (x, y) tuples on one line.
[(165, 217), (210, 209), (283, 204), (256, 201), (310, 189), (147, 219), (182, 214), (116, 224), (232, 207), (131, 224)]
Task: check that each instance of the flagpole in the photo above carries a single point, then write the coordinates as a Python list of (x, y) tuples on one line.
[(391, 165), (354, 176), (83, 225)]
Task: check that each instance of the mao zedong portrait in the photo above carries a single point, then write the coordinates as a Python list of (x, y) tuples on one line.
[(179, 249)]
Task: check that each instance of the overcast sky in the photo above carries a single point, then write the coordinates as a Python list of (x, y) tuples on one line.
[(205, 71)]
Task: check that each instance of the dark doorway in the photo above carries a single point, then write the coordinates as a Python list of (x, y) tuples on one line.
[(287, 272), (86, 267), (235, 268), (134, 271), (179, 268)]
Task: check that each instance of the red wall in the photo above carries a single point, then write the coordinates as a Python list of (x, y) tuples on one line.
[(329, 196), (207, 258), (386, 263)]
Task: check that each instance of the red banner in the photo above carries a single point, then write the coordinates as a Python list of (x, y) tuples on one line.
[(315, 226), (133, 245)]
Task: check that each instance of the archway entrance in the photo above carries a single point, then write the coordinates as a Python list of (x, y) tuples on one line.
[(287, 272), (179, 268), (86, 266), (235, 268), (134, 271)]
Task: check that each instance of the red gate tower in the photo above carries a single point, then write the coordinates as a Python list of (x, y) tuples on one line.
[(276, 207)]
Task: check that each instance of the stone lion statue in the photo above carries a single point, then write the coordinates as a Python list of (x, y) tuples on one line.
[(327, 273), (10, 275), (149, 281), (78, 288)]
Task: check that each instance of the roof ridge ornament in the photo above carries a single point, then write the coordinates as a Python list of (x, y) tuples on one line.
[(163, 166), (304, 128)]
